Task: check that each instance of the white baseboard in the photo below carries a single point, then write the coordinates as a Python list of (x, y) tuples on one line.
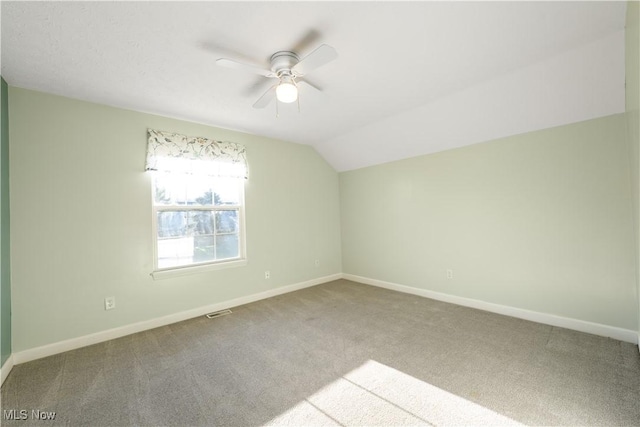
[(98, 337), (621, 334), (6, 369), (86, 340)]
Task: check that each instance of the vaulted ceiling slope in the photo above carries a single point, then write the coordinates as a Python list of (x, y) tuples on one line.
[(411, 78)]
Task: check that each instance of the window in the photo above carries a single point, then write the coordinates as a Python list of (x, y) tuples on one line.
[(198, 202), (198, 219)]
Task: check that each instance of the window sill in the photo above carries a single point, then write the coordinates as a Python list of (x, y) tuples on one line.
[(184, 271)]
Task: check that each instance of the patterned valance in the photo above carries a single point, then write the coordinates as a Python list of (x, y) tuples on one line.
[(171, 152)]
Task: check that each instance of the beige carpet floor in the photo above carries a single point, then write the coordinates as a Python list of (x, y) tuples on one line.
[(340, 353)]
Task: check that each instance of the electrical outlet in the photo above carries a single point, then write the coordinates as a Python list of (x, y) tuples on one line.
[(449, 274), (110, 303), (317, 262), (267, 274)]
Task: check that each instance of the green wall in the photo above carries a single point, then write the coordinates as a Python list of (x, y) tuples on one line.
[(632, 80), (81, 205), (5, 264), (540, 221)]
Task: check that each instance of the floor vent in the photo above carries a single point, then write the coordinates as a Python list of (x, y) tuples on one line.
[(218, 314)]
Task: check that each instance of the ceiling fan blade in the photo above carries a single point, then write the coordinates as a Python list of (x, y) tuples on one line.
[(255, 88), (315, 59), (230, 63), (309, 39), (266, 97)]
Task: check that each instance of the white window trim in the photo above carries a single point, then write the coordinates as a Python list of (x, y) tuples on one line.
[(184, 270)]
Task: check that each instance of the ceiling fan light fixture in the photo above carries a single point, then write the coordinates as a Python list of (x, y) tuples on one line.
[(287, 67), (287, 91)]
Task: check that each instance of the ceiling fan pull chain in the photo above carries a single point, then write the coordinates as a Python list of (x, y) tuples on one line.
[(298, 97), (277, 113)]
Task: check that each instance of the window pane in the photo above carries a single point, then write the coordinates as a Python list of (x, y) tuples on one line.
[(169, 189), (176, 189), (175, 246), (187, 237), (227, 246), (226, 222), (172, 224), (200, 222), (162, 195), (199, 190), (190, 235), (203, 248), (162, 190), (227, 191), (175, 252)]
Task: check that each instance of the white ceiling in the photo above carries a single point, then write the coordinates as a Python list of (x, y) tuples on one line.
[(411, 78)]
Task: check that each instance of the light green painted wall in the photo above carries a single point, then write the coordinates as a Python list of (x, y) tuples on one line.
[(632, 80), (5, 264), (81, 206), (540, 221)]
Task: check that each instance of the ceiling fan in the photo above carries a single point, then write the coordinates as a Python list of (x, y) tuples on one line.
[(288, 68)]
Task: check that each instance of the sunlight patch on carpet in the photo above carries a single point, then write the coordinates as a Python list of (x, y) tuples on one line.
[(376, 394)]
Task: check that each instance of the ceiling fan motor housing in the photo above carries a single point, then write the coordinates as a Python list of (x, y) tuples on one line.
[(283, 61)]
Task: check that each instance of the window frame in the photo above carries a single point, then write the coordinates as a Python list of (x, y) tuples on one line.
[(199, 267)]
